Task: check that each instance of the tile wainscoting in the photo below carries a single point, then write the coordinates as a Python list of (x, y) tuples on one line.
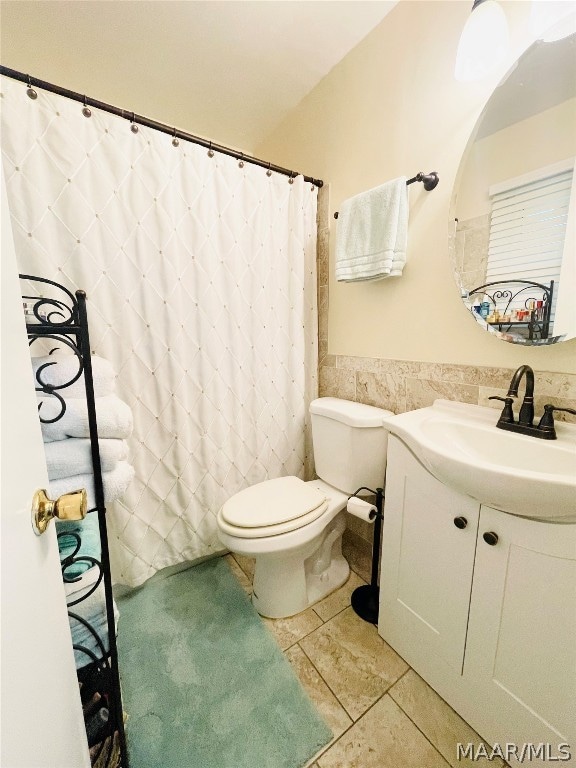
[(401, 385)]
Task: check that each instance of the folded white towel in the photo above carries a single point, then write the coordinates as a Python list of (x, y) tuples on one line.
[(115, 484), (372, 233), (60, 368), (113, 416), (74, 456)]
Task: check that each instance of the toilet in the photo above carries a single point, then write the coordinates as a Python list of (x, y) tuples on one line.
[(293, 528)]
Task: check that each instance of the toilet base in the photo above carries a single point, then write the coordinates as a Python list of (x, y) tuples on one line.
[(296, 594), (290, 583)]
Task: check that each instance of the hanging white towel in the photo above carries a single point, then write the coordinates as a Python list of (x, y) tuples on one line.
[(113, 416), (74, 456), (372, 233), (115, 484), (60, 368)]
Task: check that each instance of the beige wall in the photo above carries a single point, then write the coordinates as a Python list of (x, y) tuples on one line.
[(528, 145), (392, 108)]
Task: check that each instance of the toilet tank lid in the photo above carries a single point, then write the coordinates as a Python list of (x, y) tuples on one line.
[(348, 412)]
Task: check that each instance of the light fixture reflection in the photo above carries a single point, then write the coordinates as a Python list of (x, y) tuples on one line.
[(483, 43), (553, 19)]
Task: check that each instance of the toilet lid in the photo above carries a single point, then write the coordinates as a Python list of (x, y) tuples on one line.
[(271, 530), (274, 502)]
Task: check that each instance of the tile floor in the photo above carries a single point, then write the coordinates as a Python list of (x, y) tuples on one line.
[(382, 714)]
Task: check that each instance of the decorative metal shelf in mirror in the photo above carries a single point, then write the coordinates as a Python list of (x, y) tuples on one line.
[(513, 215)]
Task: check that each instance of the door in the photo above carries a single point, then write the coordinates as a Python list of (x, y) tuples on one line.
[(42, 723), (521, 649), (428, 545)]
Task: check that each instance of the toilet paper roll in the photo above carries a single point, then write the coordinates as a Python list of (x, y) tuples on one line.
[(360, 508)]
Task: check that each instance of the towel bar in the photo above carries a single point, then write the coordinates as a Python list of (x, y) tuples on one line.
[(430, 181)]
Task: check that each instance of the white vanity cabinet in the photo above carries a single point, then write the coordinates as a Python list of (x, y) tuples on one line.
[(427, 562), (486, 612)]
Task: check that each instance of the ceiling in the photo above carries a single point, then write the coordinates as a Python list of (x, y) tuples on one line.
[(226, 70)]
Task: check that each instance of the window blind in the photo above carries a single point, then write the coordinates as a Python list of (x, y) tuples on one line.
[(527, 231)]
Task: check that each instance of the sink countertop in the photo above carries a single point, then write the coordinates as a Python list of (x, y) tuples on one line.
[(461, 446)]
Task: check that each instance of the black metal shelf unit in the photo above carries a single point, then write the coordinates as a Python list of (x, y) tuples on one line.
[(62, 318), (536, 298)]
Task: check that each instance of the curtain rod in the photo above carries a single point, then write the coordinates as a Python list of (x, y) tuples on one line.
[(141, 120)]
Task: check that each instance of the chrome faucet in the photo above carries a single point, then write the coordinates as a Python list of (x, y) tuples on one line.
[(545, 428)]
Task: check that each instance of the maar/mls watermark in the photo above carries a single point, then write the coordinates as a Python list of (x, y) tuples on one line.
[(547, 752)]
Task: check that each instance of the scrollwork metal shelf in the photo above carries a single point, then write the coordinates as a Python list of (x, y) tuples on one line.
[(63, 319), (502, 294)]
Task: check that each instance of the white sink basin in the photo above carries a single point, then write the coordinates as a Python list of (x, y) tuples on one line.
[(462, 447)]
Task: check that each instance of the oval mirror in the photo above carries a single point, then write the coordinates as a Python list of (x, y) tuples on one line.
[(513, 239)]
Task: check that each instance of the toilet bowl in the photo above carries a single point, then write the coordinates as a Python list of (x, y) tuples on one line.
[(293, 569), (293, 528)]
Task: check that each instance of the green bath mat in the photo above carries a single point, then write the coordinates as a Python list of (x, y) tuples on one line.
[(204, 683)]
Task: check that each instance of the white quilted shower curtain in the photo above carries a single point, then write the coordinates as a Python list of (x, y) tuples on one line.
[(201, 284)]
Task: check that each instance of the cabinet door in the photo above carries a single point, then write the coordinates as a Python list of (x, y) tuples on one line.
[(521, 650), (427, 564)]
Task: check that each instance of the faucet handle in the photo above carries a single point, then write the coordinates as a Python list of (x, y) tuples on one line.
[(546, 423), (507, 415)]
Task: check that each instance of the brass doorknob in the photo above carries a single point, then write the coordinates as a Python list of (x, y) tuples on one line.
[(69, 506)]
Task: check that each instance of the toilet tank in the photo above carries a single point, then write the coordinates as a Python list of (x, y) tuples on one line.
[(349, 442)]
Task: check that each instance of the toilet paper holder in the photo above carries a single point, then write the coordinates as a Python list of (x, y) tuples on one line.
[(365, 600)]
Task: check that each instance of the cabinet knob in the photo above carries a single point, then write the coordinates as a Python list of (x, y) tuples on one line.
[(490, 538), (460, 522)]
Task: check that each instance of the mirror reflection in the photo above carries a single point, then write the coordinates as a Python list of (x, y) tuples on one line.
[(514, 244)]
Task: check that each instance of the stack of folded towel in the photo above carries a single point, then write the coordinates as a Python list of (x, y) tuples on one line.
[(69, 462), (67, 439)]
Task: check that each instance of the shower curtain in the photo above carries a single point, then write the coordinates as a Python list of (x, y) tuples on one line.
[(201, 284)]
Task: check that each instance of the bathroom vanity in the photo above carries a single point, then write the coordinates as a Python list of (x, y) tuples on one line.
[(481, 602)]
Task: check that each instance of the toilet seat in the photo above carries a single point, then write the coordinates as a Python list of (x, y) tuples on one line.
[(272, 508)]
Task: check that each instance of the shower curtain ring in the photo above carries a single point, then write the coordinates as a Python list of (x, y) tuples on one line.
[(30, 91), (133, 126), (175, 141), (241, 160), (291, 178), (86, 111), (210, 150), (269, 171)]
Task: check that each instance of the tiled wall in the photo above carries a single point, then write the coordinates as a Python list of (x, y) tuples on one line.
[(471, 250), (403, 385)]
